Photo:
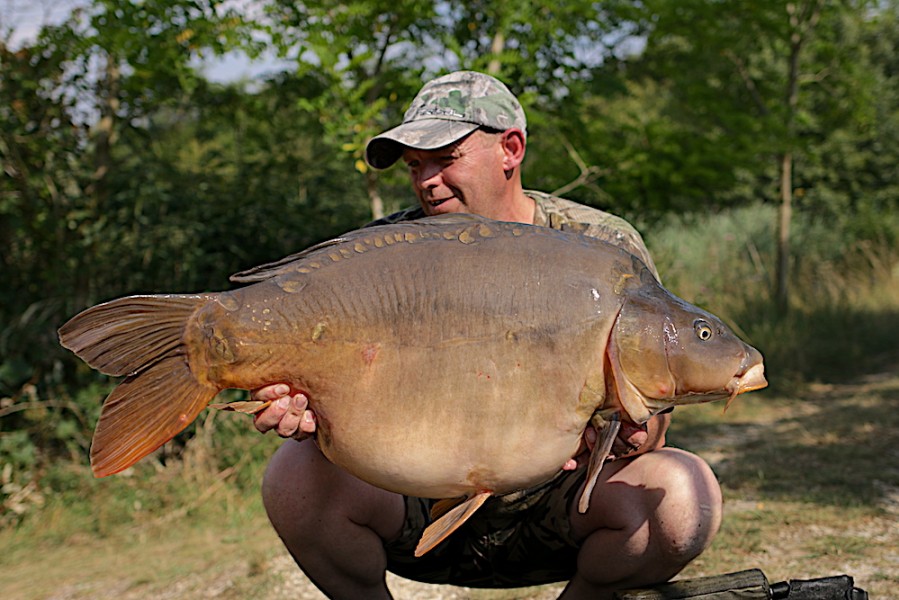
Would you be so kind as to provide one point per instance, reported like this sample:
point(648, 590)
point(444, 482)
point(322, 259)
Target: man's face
point(464, 177)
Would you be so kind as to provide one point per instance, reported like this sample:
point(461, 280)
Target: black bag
point(749, 585)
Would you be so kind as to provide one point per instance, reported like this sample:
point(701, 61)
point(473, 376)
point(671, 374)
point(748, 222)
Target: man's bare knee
point(652, 516)
point(303, 492)
point(289, 488)
point(689, 514)
point(333, 524)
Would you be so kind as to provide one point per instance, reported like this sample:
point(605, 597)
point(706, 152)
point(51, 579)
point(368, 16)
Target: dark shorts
point(517, 540)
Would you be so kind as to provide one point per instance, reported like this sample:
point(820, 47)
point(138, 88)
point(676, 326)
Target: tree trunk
point(496, 48)
point(783, 231)
point(105, 131)
point(802, 17)
point(374, 197)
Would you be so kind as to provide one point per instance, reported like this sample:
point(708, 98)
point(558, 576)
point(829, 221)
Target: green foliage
point(367, 56)
point(136, 178)
point(697, 119)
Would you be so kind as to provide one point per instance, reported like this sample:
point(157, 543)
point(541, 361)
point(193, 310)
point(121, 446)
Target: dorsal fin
point(440, 529)
point(286, 264)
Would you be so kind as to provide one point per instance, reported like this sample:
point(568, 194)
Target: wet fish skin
point(445, 357)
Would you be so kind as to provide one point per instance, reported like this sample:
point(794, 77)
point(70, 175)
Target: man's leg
point(333, 524)
point(648, 517)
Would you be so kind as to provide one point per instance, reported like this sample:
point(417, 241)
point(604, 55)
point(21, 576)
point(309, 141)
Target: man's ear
point(514, 144)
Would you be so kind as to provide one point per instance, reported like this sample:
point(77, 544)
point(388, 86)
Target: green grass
point(140, 561)
point(810, 480)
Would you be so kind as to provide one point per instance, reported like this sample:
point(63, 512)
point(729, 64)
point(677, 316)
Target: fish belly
point(435, 368)
point(460, 420)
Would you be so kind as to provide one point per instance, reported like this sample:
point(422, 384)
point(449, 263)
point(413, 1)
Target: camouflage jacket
point(565, 215)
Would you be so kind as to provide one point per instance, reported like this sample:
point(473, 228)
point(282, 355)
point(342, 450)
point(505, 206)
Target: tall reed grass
point(843, 316)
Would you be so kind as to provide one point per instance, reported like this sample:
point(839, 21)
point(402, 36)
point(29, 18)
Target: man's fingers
point(270, 393)
point(288, 415)
point(630, 438)
point(590, 436)
point(269, 418)
point(307, 423)
point(289, 423)
point(297, 420)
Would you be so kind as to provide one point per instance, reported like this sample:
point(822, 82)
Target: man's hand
point(288, 414)
point(636, 439)
point(632, 440)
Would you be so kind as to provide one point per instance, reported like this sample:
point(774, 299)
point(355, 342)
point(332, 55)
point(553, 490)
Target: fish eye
point(703, 330)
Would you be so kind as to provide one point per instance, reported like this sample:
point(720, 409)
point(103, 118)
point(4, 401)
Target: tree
point(754, 71)
point(374, 55)
point(72, 235)
point(366, 56)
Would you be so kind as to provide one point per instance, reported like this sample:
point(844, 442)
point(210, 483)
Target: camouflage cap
point(447, 109)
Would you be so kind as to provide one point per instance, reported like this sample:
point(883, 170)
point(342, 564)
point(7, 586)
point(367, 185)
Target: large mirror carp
point(447, 357)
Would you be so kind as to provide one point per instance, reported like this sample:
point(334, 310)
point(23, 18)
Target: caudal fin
point(141, 337)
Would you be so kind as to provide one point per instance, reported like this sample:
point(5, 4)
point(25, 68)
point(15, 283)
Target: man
point(653, 510)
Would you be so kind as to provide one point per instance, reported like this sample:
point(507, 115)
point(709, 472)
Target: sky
point(21, 20)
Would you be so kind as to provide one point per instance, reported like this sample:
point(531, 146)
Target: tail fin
point(141, 337)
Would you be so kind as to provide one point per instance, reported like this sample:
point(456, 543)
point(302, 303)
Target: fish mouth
point(751, 380)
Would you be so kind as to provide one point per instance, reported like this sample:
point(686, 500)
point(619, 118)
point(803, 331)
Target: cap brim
point(423, 134)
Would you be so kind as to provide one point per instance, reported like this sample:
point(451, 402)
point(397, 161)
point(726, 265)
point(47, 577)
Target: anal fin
point(441, 507)
point(608, 429)
point(440, 529)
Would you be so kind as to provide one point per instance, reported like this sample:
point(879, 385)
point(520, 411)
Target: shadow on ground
point(833, 445)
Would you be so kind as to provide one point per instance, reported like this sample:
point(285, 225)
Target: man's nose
point(429, 176)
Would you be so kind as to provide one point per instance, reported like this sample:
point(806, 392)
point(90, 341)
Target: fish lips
point(752, 379)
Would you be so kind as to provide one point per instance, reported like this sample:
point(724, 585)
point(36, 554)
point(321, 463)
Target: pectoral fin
point(607, 428)
point(440, 529)
point(249, 407)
